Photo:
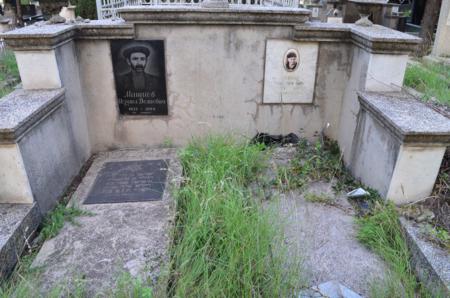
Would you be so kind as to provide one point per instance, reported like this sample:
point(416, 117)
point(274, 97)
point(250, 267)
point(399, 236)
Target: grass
point(224, 240)
point(321, 198)
point(321, 161)
point(436, 234)
point(25, 283)
point(8, 70)
point(381, 232)
point(55, 220)
point(131, 287)
point(431, 79)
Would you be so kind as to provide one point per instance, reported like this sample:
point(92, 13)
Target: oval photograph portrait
point(291, 60)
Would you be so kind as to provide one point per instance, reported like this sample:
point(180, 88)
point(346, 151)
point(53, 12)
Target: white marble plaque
point(290, 71)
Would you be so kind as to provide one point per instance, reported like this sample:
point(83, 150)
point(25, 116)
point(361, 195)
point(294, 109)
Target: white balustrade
point(108, 8)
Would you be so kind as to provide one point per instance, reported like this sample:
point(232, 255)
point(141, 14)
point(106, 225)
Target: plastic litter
point(357, 193)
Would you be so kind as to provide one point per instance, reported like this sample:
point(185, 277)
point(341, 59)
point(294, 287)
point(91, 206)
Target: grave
point(119, 236)
point(170, 73)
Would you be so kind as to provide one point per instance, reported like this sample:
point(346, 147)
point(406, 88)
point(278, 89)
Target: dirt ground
point(323, 235)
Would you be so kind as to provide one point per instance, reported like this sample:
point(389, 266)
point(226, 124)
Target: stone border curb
point(424, 261)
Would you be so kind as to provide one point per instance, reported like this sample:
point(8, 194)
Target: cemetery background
point(161, 141)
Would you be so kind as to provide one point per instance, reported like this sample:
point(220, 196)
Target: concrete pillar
point(38, 69)
point(15, 187)
point(370, 72)
point(442, 42)
point(415, 173)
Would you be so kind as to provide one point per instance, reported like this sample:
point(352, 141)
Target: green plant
point(9, 72)
point(437, 235)
point(22, 282)
point(381, 232)
point(128, 286)
point(431, 79)
point(55, 220)
point(407, 13)
point(85, 8)
point(314, 162)
point(223, 240)
point(167, 143)
point(321, 198)
point(286, 181)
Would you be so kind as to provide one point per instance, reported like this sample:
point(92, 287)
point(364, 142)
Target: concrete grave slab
point(117, 238)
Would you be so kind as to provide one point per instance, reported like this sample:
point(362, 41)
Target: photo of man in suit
point(291, 60)
point(137, 79)
point(140, 77)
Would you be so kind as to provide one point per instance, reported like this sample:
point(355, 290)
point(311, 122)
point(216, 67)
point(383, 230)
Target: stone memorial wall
point(174, 73)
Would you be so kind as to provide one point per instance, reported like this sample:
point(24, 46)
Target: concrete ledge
point(23, 109)
point(18, 222)
point(44, 37)
point(316, 31)
point(105, 29)
point(410, 120)
point(379, 39)
point(431, 263)
point(179, 14)
point(47, 37)
point(375, 39)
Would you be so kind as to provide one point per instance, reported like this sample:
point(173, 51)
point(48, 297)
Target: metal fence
point(108, 8)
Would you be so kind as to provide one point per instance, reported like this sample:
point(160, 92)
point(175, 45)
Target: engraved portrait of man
point(140, 77)
point(137, 57)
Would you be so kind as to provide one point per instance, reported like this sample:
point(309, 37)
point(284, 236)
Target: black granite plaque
point(129, 181)
point(139, 72)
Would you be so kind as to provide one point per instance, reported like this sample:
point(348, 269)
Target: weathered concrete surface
point(29, 61)
point(431, 263)
point(370, 72)
point(37, 148)
point(22, 109)
point(330, 289)
point(18, 222)
point(15, 186)
point(233, 100)
point(407, 118)
point(407, 138)
point(117, 238)
point(50, 158)
point(325, 237)
point(69, 70)
point(375, 153)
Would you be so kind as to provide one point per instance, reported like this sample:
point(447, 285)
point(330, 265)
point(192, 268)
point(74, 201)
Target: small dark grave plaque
point(129, 181)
